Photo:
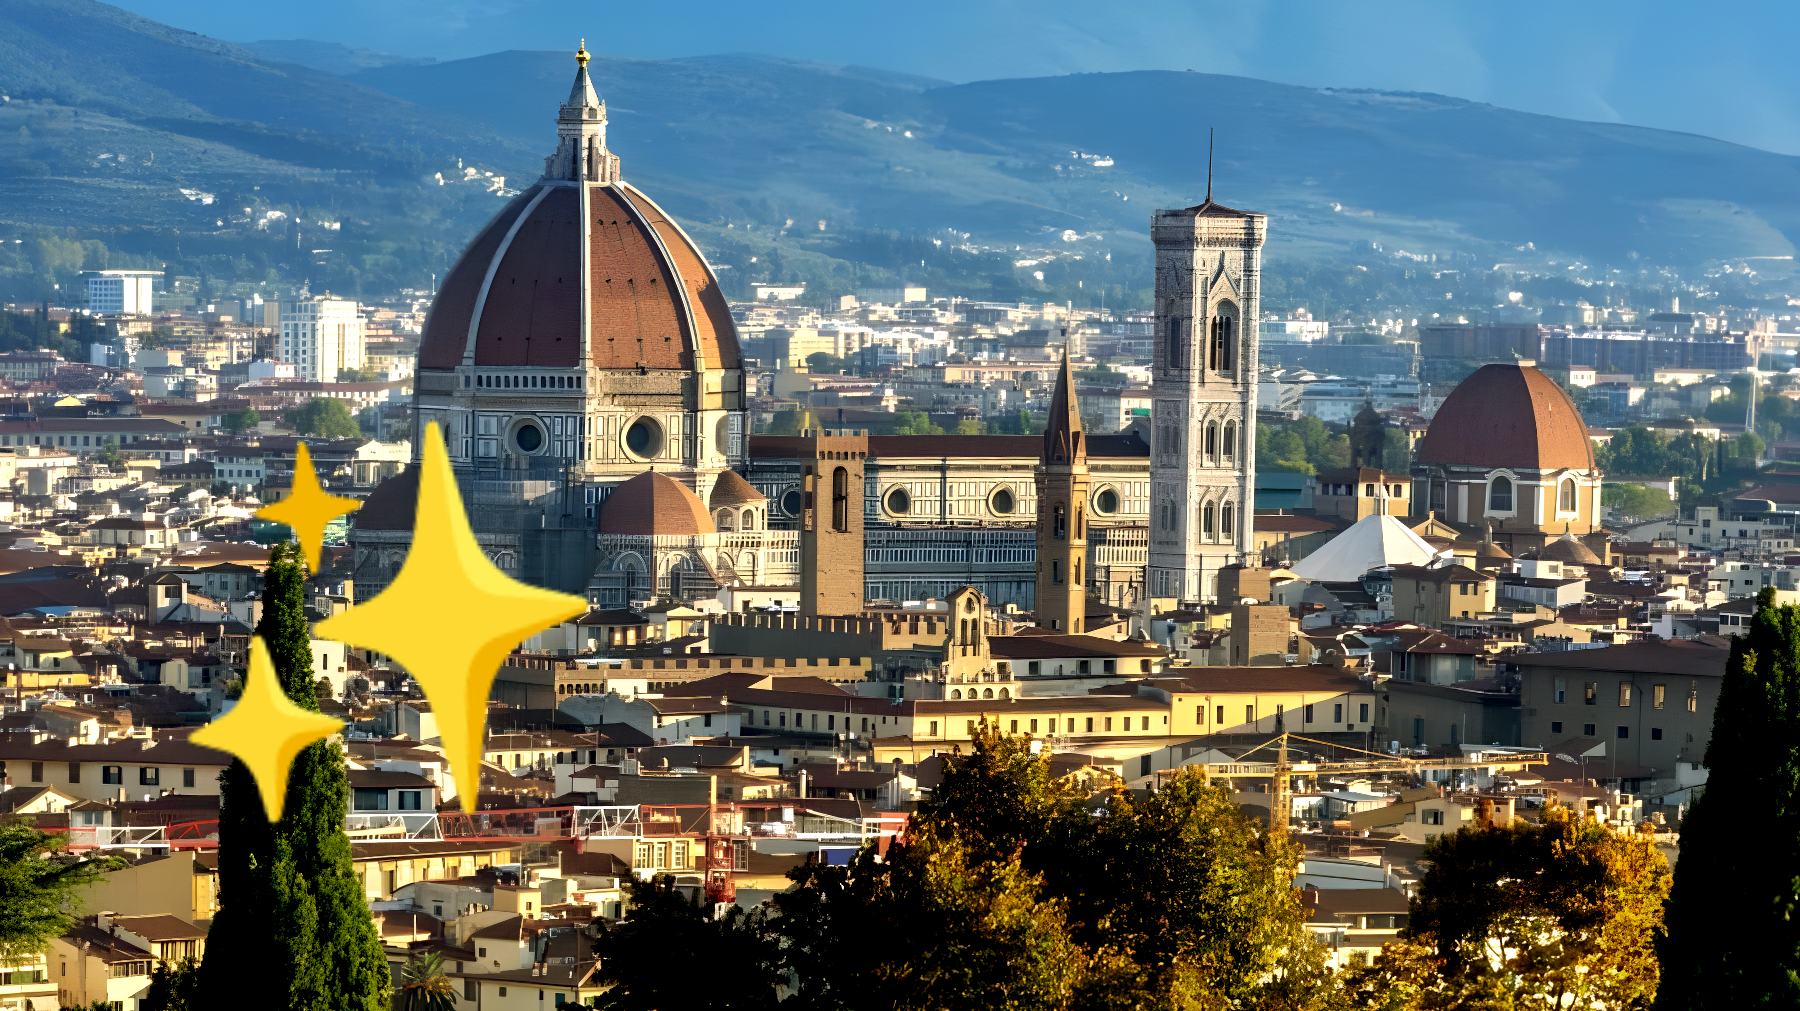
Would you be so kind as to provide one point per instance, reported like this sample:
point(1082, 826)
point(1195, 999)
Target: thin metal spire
point(1209, 163)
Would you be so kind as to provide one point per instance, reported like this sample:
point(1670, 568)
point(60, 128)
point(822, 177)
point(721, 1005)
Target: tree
point(326, 417)
point(1563, 913)
point(823, 363)
point(915, 423)
point(1733, 926)
point(424, 986)
point(40, 886)
point(957, 931)
point(174, 986)
point(110, 458)
point(241, 421)
point(1637, 501)
point(294, 878)
point(663, 919)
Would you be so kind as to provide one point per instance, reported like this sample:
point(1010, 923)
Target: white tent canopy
point(1374, 542)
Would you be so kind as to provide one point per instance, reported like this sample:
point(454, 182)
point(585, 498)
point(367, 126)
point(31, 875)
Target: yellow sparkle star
point(266, 730)
point(450, 617)
point(308, 508)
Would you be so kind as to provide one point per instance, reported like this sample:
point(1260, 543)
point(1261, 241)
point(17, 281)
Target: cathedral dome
point(580, 252)
point(1508, 416)
point(732, 490)
point(653, 504)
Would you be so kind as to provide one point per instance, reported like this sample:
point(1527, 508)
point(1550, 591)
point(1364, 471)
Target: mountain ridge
point(843, 174)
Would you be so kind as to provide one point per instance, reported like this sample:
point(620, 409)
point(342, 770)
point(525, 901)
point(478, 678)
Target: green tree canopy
point(1734, 913)
point(325, 417)
point(1637, 501)
point(40, 886)
point(915, 423)
point(241, 421)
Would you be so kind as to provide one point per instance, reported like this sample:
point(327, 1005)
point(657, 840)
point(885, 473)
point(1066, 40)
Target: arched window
point(1080, 522)
point(1565, 499)
point(1228, 346)
point(1172, 355)
point(1059, 523)
point(1226, 531)
point(1077, 571)
point(1206, 521)
point(840, 500)
point(1230, 442)
point(1212, 442)
point(956, 694)
point(1006, 693)
point(1500, 496)
point(987, 693)
point(1214, 342)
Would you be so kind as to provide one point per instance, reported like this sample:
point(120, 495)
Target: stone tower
point(1062, 497)
point(831, 522)
point(1368, 438)
point(1203, 435)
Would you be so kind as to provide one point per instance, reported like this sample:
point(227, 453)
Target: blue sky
point(1719, 70)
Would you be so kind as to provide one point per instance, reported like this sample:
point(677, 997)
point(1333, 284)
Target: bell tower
point(1062, 496)
point(1203, 416)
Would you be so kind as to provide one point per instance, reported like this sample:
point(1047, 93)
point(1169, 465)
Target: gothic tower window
point(1206, 521)
point(1059, 523)
point(1226, 530)
point(1212, 442)
point(1231, 442)
point(1173, 355)
point(840, 500)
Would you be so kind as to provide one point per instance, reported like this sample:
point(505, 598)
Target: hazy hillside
point(163, 144)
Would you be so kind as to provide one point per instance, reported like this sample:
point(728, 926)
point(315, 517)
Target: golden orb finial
point(581, 55)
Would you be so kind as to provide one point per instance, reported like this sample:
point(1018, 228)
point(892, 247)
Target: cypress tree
point(1734, 914)
point(292, 916)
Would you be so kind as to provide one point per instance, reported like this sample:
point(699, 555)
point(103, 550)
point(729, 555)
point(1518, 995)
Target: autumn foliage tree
point(1562, 913)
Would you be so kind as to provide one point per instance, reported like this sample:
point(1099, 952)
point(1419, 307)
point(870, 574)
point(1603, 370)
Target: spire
point(1208, 162)
point(582, 95)
point(1064, 441)
point(581, 133)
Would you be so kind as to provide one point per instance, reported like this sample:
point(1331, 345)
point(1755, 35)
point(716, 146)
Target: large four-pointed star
point(450, 617)
point(308, 509)
point(266, 730)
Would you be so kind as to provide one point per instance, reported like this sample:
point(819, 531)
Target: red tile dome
point(653, 504)
point(580, 242)
point(1508, 416)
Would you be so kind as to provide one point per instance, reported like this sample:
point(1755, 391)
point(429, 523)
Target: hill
point(245, 166)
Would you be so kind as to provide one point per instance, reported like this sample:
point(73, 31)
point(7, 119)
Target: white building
point(321, 336)
point(120, 291)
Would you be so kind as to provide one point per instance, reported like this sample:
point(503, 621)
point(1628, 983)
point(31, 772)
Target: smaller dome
point(1569, 550)
point(654, 504)
point(732, 490)
point(1491, 550)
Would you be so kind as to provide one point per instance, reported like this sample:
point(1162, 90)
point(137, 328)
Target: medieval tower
point(1203, 420)
point(1062, 497)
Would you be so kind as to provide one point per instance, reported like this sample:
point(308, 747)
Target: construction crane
point(1282, 771)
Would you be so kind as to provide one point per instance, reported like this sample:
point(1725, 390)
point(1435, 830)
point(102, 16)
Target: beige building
point(1432, 596)
point(183, 883)
point(321, 336)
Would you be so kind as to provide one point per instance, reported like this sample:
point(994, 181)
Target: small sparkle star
point(266, 730)
point(308, 508)
point(450, 617)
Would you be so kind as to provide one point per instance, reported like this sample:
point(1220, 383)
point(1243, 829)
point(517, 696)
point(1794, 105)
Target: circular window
point(528, 437)
point(791, 502)
point(899, 502)
point(644, 439)
point(1002, 503)
point(1106, 502)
